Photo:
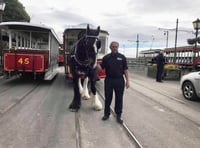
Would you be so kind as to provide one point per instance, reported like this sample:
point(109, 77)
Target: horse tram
point(184, 57)
point(146, 56)
point(71, 36)
point(29, 50)
point(172, 71)
point(60, 56)
point(84, 47)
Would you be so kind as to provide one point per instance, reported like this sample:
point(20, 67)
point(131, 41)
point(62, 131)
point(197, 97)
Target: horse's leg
point(76, 102)
point(84, 92)
point(96, 103)
point(80, 86)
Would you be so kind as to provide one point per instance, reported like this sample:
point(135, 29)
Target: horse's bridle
point(74, 55)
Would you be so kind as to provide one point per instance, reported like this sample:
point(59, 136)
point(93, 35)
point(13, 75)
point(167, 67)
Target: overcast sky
point(123, 19)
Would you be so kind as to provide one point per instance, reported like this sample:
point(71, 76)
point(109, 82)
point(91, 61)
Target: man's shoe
point(119, 120)
point(105, 118)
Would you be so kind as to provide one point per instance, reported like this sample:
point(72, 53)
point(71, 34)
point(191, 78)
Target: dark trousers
point(117, 85)
point(159, 73)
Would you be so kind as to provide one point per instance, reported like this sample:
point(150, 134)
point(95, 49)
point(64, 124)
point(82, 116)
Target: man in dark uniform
point(160, 61)
point(115, 65)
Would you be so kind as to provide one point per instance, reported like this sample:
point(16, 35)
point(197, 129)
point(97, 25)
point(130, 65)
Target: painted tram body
point(60, 56)
point(29, 49)
point(185, 57)
point(71, 35)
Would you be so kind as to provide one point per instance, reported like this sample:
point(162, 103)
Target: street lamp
point(166, 32)
point(137, 43)
point(196, 25)
point(2, 7)
point(152, 42)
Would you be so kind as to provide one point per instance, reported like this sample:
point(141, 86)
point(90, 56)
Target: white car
point(190, 85)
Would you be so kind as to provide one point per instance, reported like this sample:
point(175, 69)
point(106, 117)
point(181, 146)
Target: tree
point(15, 11)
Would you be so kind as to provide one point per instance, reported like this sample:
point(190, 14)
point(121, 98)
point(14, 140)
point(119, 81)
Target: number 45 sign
point(23, 61)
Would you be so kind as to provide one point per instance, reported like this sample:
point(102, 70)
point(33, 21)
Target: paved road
point(156, 113)
point(41, 118)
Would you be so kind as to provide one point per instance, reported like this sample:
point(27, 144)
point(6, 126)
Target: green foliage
point(15, 11)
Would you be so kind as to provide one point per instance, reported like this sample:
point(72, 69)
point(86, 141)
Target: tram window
point(185, 54)
point(182, 54)
point(103, 44)
point(178, 54)
point(196, 54)
point(5, 45)
point(61, 51)
point(69, 45)
point(190, 54)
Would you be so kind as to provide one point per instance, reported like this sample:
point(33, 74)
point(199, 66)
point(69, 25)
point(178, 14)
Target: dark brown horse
point(83, 61)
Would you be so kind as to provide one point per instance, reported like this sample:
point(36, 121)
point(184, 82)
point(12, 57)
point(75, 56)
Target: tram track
point(78, 134)
point(162, 93)
point(3, 90)
point(171, 103)
point(18, 99)
point(7, 87)
point(124, 126)
point(78, 130)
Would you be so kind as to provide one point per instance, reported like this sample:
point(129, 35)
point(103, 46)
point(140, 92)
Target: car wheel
point(188, 91)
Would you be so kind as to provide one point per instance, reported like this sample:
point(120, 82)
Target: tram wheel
point(188, 91)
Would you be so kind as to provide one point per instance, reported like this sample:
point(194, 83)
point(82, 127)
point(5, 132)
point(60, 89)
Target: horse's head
point(92, 40)
point(87, 49)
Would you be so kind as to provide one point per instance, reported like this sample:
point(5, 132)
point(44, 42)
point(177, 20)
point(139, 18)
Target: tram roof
point(26, 26)
point(150, 51)
point(82, 27)
point(181, 48)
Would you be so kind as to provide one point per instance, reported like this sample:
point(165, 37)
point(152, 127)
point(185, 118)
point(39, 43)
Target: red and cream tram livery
point(60, 56)
point(29, 49)
point(71, 35)
point(184, 56)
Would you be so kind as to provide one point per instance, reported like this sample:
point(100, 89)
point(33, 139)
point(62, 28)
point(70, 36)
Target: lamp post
point(2, 7)
point(137, 44)
point(196, 25)
point(152, 42)
point(166, 32)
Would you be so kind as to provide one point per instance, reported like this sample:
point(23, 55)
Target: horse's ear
point(98, 28)
point(88, 27)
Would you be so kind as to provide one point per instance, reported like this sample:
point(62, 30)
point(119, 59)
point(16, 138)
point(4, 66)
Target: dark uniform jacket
point(114, 65)
point(160, 60)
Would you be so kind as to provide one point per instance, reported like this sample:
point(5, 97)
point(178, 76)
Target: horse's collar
point(85, 64)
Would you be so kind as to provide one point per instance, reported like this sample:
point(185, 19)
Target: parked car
point(190, 85)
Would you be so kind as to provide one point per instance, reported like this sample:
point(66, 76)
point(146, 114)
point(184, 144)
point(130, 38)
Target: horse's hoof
point(73, 110)
point(97, 108)
point(85, 97)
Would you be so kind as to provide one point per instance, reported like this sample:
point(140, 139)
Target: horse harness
point(74, 55)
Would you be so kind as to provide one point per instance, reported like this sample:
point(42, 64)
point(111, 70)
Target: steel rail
point(19, 100)
point(129, 133)
point(161, 93)
point(77, 130)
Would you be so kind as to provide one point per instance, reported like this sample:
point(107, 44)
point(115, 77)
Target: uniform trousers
point(115, 85)
point(159, 73)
